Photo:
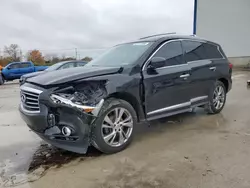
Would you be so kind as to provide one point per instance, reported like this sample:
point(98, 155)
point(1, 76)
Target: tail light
point(230, 68)
point(230, 65)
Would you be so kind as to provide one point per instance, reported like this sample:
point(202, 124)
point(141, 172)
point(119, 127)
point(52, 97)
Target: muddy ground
point(193, 150)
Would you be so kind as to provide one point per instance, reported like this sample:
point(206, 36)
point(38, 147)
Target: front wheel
point(113, 129)
point(217, 98)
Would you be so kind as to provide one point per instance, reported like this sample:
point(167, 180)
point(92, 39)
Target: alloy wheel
point(117, 127)
point(219, 97)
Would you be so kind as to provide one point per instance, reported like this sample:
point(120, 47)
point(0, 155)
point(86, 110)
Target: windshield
point(54, 67)
point(121, 55)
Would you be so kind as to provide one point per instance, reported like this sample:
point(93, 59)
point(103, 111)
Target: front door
point(14, 70)
point(167, 90)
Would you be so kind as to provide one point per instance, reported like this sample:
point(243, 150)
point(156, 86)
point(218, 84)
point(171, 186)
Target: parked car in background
point(102, 103)
point(57, 66)
point(15, 70)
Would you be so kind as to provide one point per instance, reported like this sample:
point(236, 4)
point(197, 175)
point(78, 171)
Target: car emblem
point(23, 98)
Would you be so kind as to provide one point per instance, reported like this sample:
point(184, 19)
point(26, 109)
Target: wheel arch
point(132, 101)
point(225, 82)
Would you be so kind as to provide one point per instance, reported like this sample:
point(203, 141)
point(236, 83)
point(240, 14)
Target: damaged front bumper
point(50, 121)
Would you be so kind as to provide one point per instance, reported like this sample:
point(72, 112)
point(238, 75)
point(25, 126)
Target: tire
point(213, 107)
point(99, 131)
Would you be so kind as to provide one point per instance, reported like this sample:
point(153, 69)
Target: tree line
point(13, 53)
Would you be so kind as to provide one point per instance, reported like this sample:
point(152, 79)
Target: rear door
point(167, 91)
point(201, 57)
point(25, 68)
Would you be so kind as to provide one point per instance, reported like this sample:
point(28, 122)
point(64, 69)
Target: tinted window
point(172, 52)
point(212, 51)
point(80, 64)
point(66, 66)
point(195, 50)
point(15, 66)
point(25, 65)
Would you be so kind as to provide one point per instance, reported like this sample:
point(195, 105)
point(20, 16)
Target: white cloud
point(64, 24)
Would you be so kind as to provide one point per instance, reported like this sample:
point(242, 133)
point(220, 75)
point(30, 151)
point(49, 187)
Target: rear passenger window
point(25, 65)
point(172, 52)
point(195, 51)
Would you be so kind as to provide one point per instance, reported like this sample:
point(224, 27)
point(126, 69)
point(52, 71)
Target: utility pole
point(76, 52)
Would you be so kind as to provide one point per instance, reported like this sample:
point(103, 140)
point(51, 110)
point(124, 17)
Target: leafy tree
point(5, 60)
point(36, 57)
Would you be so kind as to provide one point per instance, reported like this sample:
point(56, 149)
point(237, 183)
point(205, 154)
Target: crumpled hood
point(67, 75)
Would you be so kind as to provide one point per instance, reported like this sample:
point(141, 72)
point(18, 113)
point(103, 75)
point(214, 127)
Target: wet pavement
point(188, 150)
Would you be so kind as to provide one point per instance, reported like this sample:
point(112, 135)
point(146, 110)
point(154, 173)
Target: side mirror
point(8, 68)
point(157, 62)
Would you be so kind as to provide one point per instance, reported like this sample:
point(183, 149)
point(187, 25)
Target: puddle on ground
point(14, 172)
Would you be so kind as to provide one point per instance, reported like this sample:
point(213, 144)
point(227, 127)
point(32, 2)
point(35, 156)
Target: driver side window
point(14, 66)
point(172, 52)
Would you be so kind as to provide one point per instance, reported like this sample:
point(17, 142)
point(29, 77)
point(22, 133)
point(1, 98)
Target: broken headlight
point(87, 96)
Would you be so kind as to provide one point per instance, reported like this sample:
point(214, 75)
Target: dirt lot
point(189, 150)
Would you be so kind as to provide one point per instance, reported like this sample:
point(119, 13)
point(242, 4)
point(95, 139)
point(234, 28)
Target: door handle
point(184, 75)
point(212, 68)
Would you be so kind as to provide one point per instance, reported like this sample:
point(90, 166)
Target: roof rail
point(158, 35)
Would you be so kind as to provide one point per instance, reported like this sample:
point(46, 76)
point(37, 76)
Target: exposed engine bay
point(86, 96)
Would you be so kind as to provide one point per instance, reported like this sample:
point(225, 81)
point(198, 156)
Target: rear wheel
point(217, 98)
point(114, 128)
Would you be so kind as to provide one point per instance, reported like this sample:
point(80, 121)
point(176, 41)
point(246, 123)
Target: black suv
point(101, 103)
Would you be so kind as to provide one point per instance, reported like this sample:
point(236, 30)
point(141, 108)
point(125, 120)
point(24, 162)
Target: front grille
point(30, 99)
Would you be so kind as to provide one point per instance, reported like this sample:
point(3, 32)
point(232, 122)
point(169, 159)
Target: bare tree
point(13, 51)
point(87, 59)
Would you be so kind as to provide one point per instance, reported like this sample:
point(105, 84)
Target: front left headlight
point(87, 96)
point(88, 109)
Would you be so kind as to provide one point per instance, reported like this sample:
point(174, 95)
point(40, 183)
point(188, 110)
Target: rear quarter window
point(212, 51)
point(195, 50)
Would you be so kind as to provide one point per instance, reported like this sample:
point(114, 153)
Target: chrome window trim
point(194, 40)
point(218, 48)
